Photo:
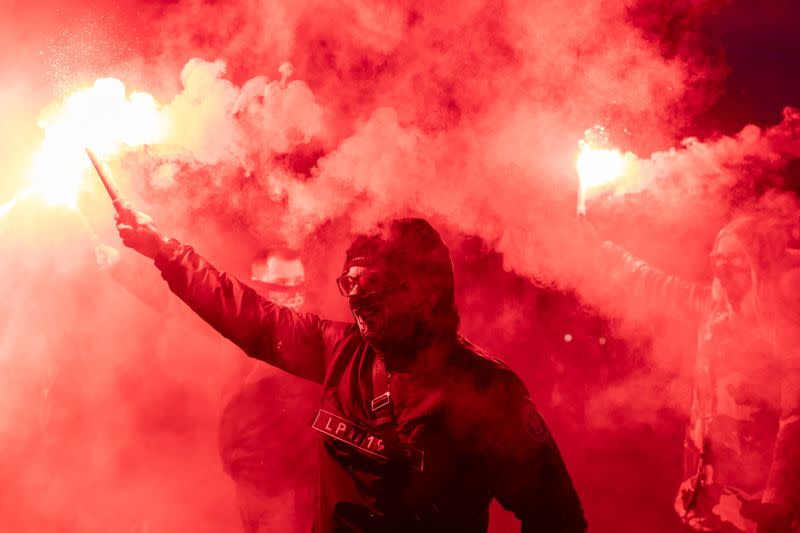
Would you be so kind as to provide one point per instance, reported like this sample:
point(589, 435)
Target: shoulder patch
point(536, 427)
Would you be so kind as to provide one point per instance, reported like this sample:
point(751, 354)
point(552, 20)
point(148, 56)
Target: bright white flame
point(101, 117)
point(11, 204)
point(598, 167)
point(8, 206)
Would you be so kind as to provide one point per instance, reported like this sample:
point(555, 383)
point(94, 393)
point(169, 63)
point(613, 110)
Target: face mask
point(731, 267)
point(391, 316)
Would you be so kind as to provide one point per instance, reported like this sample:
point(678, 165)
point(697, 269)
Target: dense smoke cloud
point(305, 122)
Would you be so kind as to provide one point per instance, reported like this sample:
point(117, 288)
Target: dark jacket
point(463, 430)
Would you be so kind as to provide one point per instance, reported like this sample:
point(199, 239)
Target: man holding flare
point(419, 428)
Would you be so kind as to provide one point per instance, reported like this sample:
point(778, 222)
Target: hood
point(411, 249)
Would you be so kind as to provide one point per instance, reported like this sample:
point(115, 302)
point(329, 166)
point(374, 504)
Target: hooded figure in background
point(419, 429)
point(742, 446)
point(274, 477)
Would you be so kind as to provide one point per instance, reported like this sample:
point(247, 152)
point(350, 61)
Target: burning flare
point(102, 118)
point(598, 165)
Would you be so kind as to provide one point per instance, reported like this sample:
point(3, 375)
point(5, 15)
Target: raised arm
point(278, 335)
point(648, 288)
point(617, 281)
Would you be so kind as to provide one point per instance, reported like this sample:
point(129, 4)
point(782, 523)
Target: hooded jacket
point(742, 445)
point(462, 431)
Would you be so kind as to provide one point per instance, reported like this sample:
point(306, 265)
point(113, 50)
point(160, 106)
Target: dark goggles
point(368, 283)
point(278, 287)
point(735, 261)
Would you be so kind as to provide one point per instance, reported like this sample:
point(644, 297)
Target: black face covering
point(417, 303)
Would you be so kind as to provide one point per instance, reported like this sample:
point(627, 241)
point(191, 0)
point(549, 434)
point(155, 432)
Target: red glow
point(248, 125)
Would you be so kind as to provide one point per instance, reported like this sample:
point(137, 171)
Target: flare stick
point(108, 181)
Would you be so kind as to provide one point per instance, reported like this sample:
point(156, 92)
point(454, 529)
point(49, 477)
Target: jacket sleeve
point(652, 289)
point(783, 483)
point(528, 475)
point(289, 340)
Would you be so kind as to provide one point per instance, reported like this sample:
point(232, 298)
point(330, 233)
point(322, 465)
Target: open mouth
point(367, 315)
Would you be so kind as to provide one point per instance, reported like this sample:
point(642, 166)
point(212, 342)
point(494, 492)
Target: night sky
point(761, 48)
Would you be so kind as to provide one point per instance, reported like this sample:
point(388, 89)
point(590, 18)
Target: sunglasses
point(368, 283)
point(737, 261)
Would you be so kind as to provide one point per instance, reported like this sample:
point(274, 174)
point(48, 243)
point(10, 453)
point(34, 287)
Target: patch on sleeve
point(536, 427)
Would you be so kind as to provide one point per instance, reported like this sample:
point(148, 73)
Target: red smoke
point(467, 113)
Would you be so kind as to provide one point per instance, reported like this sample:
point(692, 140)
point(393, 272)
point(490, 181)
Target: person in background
point(742, 445)
point(263, 440)
point(279, 275)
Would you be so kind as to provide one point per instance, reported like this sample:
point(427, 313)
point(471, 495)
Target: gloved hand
point(138, 231)
point(770, 517)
